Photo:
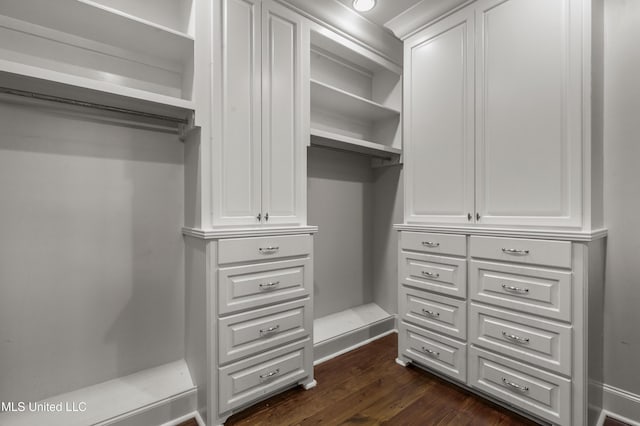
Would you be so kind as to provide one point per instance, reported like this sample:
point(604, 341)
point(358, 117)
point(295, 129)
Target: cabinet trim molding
point(214, 234)
point(517, 233)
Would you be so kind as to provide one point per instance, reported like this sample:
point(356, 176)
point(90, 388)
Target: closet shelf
point(92, 21)
point(335, 140)
point(52, 83)
point(343, 103)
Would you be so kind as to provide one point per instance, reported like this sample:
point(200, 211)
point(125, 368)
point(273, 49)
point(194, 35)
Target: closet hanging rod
point(68, 101)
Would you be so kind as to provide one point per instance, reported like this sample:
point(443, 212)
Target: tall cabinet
point(250, 258)
point(502, 250)
point(259, 162)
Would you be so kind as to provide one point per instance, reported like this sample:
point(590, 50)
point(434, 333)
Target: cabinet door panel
point(283, 145)
point(236, 153)
point(439, 121)
point(528, 112)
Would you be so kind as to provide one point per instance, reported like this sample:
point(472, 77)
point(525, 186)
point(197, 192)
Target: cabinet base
point(309, 385)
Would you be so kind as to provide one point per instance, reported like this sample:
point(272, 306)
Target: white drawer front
point(543, 394)
point(434, 243)
point(249, 287)
point(439, 313)
point(256, 331)
point(446, 275)
point(536, 252)
point(533, 290)
point(543, 343)
point(247, 381)
point(233, 250)
point(433, 350)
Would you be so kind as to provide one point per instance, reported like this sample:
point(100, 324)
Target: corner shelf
point(338, 141)
point(338, 101)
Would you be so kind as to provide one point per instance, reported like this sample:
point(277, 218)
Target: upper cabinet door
point(438, 122)
point(528, 152)
point(236, 155)
point(283, 130)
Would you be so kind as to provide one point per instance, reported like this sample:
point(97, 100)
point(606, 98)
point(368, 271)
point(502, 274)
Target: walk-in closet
point(336, 211)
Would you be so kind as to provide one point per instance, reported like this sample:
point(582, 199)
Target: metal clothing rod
point(74, 102)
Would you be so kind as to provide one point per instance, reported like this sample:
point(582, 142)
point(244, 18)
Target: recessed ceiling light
point(363, 5)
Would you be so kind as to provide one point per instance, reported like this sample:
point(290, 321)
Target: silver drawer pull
point(270, 329)
point(268, 250)
point(430, 244)
point(430, 352)
point(430, 274)
point(515, 252)
point(512, 289)
point(269, 374)
point(515, 385)
point(515, 338)
point(430, 313)
point(269, 286)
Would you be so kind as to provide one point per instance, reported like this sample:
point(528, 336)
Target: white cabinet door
point(439, 120)
point(528, 106)
point(236, 153)
point(283, 144)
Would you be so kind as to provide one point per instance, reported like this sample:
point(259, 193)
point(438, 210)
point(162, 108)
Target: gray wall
point(622, 194)
point(355, 208)
point(340, 203)
point(91, 254)
point(388, 210)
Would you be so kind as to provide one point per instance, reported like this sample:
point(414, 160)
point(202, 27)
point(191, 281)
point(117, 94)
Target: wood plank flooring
point(367, 387)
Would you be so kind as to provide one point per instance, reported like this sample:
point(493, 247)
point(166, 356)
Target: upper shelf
point(338, 141)
point(92, 21)
point(82, 50)
point(33, 79)
point(344, 103)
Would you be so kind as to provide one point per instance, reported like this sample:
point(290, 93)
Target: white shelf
point(93, 21)
point(335, 140)
point(341, 323)
point(340, 102)
point(33, 79)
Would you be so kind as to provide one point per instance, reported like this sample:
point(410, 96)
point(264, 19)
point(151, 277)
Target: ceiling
point(386, 9)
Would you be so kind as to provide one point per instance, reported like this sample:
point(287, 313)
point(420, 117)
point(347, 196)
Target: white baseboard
point(154, 396)
point(621, 405)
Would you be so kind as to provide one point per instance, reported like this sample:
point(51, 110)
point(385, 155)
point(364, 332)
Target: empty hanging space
point(72, 50)
point(354, 206)
point(355, 97)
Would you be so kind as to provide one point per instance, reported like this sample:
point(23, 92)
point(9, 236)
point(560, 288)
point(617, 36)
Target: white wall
point(622, 194)
point(91, 254)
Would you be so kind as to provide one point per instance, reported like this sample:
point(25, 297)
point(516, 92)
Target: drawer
point(532, 290)
point(447, 356)
point(249, 287)
point(233, 250)
point(535, 252)
point(255, 378)
point(259, 330)
point(438, 313)
point(446, 275)
point(434, 243)
point(542, 343)
point(540, 393)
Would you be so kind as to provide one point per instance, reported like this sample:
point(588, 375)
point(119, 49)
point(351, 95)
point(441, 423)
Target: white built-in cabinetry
point(501, 254)
point(493, 120)
point(259, 123)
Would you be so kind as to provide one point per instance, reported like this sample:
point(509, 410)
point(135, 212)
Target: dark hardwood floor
point(367, 387)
